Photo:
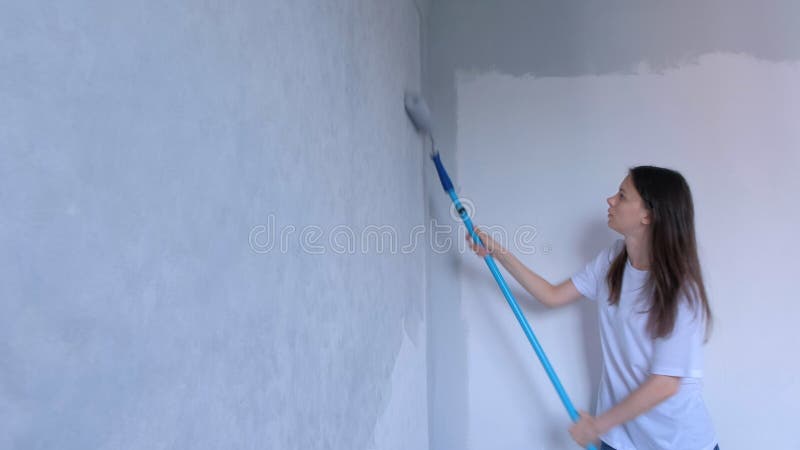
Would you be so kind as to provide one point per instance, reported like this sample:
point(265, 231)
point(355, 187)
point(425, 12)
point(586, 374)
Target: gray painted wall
point(542, 106)
point(151, 153)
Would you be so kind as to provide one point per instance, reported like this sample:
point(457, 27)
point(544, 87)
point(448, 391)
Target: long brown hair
point(674, 265)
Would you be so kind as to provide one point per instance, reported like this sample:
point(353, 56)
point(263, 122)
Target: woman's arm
point(541, 289)
point(653, 391)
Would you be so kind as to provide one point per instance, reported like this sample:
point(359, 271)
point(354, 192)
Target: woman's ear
point(646, 218)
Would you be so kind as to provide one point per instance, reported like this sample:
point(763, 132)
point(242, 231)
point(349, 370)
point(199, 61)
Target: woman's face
point(627, 214)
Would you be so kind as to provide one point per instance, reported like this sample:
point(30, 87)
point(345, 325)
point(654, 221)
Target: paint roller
point(420, 115)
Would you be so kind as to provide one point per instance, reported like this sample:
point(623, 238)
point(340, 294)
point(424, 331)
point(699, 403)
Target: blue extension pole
point(447, 185)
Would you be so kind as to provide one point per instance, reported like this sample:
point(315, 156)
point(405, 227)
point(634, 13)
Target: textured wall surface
point(152, 156)
point(545, 105)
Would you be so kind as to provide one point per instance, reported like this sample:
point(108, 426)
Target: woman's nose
point(610, 201)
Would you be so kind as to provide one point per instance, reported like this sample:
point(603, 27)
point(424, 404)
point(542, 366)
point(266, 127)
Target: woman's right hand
point(491, 246)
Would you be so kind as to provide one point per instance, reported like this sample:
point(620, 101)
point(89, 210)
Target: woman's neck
point(638, 249)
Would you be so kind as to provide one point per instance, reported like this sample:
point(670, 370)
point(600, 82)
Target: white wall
point(142, 144)
point(551, 105)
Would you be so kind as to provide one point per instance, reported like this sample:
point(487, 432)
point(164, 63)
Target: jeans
point(604, 446)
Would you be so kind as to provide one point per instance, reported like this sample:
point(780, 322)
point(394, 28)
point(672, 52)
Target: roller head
point(418, 112)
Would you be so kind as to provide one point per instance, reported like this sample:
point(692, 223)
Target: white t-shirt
point(631, 355)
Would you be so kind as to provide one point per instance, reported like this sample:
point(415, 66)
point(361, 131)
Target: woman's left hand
point(586, 431)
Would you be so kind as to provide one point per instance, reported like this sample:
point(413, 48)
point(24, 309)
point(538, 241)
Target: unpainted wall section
point(172, 176)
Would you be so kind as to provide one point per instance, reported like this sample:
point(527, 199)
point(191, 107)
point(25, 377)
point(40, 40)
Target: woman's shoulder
point(603, 260)
point(609, 253)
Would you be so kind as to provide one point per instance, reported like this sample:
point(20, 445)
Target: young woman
point(653, 316)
